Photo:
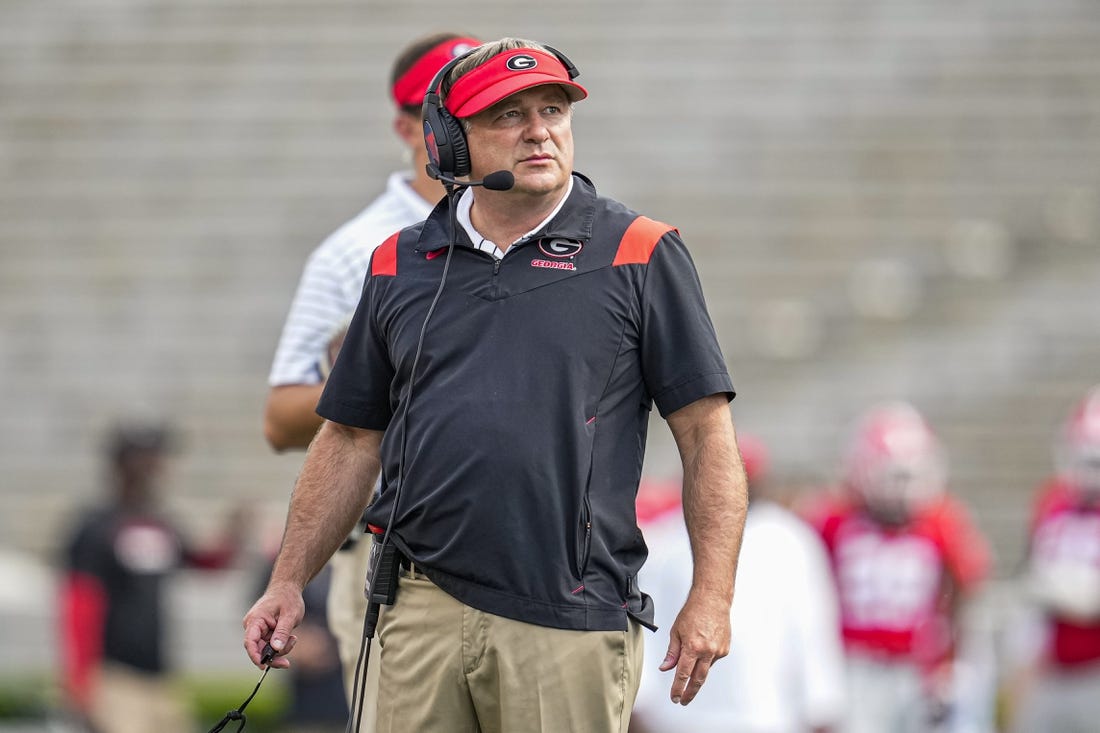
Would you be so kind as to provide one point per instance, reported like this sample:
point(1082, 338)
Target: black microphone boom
point(495, 181)
point(499, 181)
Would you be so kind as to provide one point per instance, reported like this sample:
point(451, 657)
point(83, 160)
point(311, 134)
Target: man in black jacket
point(499, 371)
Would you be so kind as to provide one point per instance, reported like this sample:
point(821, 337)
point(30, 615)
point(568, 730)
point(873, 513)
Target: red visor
point(409, 89)
point(505, 74)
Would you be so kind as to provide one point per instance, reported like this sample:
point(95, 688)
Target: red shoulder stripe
point(639, 240)
point(384, 261)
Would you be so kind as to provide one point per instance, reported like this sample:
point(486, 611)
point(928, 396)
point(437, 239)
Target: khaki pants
point(448, 668)
point(347, 605)
point(129, 701)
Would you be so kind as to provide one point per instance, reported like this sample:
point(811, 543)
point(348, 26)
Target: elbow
point(289, 421)
point(276, 435)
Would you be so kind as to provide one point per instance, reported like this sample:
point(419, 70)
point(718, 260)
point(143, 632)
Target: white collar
point(465, 205)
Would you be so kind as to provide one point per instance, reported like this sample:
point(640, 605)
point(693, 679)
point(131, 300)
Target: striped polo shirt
point(333, 279)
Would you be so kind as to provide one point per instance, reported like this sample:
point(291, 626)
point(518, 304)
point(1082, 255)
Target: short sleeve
point(357, 392)
point(681, 359)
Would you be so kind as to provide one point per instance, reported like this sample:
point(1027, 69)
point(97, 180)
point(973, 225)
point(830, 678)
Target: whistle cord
point(238, 714)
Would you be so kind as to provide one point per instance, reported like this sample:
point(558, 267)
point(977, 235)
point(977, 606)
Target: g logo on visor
point(521, 62)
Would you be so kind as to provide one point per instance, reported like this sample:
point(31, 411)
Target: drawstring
point(238, 714)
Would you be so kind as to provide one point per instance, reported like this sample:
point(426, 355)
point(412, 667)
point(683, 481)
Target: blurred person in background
point(906, 557)
point(1062, 692)
point(565, 317)
point(785, 669)
point(323, 305)
point(118, 559)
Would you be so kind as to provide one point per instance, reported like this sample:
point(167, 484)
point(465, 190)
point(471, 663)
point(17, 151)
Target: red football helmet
point(894, 463)
point(1077, 450)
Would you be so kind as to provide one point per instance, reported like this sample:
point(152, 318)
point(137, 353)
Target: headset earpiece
point(443, 134)
point(445, 139)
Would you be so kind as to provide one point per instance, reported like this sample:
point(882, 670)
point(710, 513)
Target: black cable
point(238, 714)
point(359, 685)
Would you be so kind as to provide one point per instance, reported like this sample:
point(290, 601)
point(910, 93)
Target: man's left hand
point(699, 637)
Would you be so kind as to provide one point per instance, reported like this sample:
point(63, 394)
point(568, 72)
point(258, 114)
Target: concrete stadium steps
point(995, 370)
point(167, 167)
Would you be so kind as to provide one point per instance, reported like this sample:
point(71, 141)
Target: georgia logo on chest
point(558, 247)
point(561, 252)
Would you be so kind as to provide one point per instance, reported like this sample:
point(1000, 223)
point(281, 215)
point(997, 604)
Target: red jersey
point(892, 581)
point(1065, 530)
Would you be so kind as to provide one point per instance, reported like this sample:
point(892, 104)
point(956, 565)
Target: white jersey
point(785, 669)
point(333, 279)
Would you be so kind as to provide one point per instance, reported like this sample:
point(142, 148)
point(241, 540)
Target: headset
point(448, 151)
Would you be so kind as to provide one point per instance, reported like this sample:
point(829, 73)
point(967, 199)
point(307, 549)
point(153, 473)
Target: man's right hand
point(271, 620)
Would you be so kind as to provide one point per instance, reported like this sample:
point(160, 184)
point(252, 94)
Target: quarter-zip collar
point(573, 220)
point(465, 206)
